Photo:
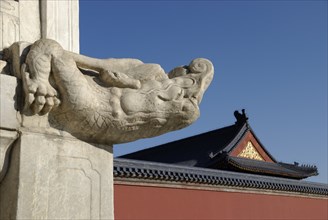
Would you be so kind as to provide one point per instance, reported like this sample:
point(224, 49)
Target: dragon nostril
point(163, 98)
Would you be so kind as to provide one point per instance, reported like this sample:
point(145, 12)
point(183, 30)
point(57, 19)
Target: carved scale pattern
point(250, 152)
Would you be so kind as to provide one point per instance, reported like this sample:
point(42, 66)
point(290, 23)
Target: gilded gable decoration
point(250, 152)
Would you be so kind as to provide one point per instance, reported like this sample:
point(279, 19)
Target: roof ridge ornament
point(241, 118)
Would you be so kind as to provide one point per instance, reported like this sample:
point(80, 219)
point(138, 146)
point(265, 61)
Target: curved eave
point(272, 169)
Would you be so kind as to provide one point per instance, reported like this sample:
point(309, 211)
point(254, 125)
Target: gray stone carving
point(110, 101)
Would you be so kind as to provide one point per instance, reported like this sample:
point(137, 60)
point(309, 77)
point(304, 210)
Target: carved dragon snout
point(110, 100)
point(201, 71)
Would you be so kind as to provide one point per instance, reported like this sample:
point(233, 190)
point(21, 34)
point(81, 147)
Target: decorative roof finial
point(240, 117)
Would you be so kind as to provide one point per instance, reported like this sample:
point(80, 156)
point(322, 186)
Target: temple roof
point(235, 148)
point(192, 151)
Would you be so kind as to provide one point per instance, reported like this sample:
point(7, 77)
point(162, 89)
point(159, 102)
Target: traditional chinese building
point(234, 148)
point(222, 174)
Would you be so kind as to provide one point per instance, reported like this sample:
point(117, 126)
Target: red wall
point(145, 202)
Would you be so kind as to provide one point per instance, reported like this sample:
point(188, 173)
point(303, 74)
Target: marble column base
point(54, 177)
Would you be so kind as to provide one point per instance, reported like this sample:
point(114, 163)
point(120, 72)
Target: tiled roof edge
point(233, 142)
point(127, 168)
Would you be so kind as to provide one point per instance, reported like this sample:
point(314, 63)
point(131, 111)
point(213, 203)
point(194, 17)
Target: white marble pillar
point(9, 121)
point(9, 23)
point(19, 21)
point(46, 173)
point(60, 22)
point(29, 20)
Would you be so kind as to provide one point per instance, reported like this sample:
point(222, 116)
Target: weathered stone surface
point(9, 23)
point(15, 56)
point(52, 177)
point(29, 20)
point(9, 116)
point(60, 22)
point(7, 138)
point(117, 100)
point(19, 21)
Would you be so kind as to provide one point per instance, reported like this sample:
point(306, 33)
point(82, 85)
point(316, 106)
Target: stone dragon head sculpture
point(110, 101)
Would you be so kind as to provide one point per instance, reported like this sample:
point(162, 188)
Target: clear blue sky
point(270, 58)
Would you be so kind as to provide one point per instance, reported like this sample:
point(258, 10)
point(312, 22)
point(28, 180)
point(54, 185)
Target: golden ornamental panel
point(250, 152)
